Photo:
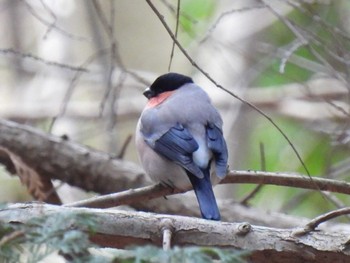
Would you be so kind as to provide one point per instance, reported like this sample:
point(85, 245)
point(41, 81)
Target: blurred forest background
point(78, 68)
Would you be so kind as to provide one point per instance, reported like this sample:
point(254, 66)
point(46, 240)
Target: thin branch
point(69, 92)
point(289, 52)
point(296, 200)
point(317, 19)
point(183, 14)
point(234, 177)
point(336, 202)
point(285, 179)
point(102, 17)
point(167, 231)
point(304, 40)
point(176, 31)
point(124, 147)
point(125, 197)
point(167, 234)
point(257, 189)
point(76, 163)
point(52, 14)
point(11, 51)
point(229, 13)
point(53, 24)
point(311, 226)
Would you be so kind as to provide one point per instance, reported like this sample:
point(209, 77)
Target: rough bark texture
point(122, 228)
point(59, 158)
point(52, 157)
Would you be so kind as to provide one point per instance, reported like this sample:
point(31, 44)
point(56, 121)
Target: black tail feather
point(205, 195)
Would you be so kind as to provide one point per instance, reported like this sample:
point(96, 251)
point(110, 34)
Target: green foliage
point(150, 254)
point(312, 146)
point(194, 13)
point(322, 39)
point(66, 233)
point(317, 23)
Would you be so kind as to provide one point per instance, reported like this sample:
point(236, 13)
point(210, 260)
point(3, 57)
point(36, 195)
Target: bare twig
point(321, 219)
point(172, 8)
point(257, 189)
point(295, 201)
point(317, 19)
point(305, 40)
point(125, 197)
point(11, 51)
point(53, 24)
point(228, 13)
point(167, 234)
point(234, 177)
point(296, 45)
point(71, 88)
point(336, 202)
point(167, 229)
point(102, 17)
point(176, 31)
point(52, 14)
point(285, 179)
point(124, 147)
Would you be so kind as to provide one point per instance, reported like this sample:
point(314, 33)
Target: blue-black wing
point(217, 144)
point(178, 144)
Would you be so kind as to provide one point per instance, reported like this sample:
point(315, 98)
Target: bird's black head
point(166, 82)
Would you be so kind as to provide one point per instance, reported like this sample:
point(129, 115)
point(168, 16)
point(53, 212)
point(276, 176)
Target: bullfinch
point(179, 139)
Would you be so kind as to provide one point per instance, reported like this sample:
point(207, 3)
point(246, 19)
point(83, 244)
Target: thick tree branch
point(91, 170)
point(122, 228)
point(77, 165)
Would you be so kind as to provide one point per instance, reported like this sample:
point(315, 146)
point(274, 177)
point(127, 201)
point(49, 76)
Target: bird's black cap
point(167, 82)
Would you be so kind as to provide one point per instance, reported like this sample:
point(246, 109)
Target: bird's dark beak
point(148, 93)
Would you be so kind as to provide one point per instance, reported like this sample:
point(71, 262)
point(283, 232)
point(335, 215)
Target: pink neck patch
point(155, 101)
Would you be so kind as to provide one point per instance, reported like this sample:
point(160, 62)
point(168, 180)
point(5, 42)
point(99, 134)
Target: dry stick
point(321, 219)
point(291, 180)
point(294, 201)
point(258, 187)
point(124, 147)
point(289, 52)
point(69, 92)
point(12, 51)
point(53, 24)
point(167, 231)
point(228, 13)
point(234, 177)
point(109, 28)
point(161, 18)
point(167, 234)
point(125, 197)
point(176, 31)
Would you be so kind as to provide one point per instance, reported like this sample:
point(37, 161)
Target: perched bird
point(179, 139)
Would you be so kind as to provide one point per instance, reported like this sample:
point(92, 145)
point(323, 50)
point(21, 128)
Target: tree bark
point(119, 229)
